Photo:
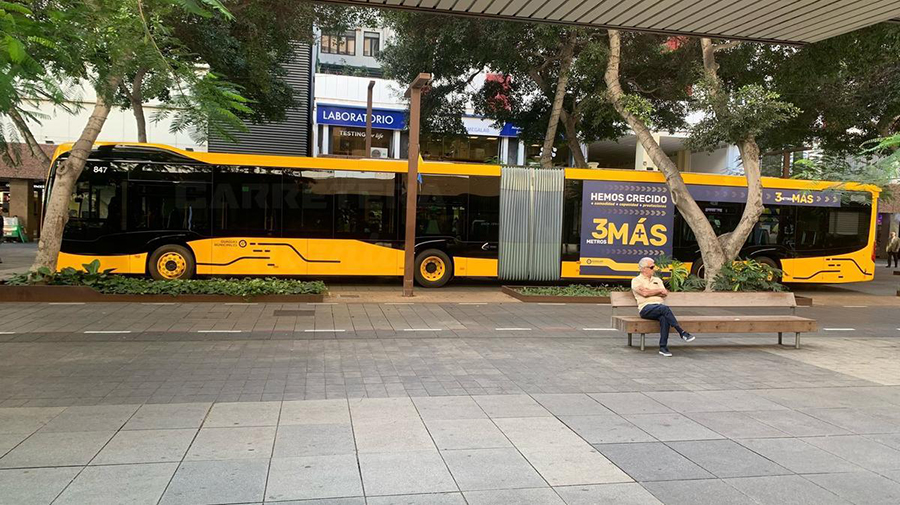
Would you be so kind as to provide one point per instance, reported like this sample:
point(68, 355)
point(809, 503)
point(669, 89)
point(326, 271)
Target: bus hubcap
point(432, 268)
point(171, 265)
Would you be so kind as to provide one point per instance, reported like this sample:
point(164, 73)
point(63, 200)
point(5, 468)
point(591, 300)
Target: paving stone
point(571, 404)
point(785, 490)
point(466, 434)
point(146, 446)
point(740, 401)
point(726, 458)
point(891, 440)
point(232, 443)
point(544, 496)
point(652, 461)
point(606, 429)
point(226, 415)
point(735, 425)
point(570, 466)
point(119, 485)
point(686, 401)
point(860, 487)
point(857, 449)
point(498, 406)
point(34, 486)
point(698, 492)
point(382, 408)
point(798, 456)
point(672, 427)
point(324, 501)
point(172, 416)
point(315, 412)
point(392, 435)
point(91, 418)
point(26, 419)
point(214, 482)
point(294, 441)
point(797, 424)
point(619, 494)
point(630, 403)
point(419, 499)
point(483, 469)
point(538, 432)
point(861, 421)
point(405, 473)
point(448, 407)
point(10, 440)
point(56, 449)
point(314, 477)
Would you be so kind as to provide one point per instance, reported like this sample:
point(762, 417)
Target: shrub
point(748, 275)
point(570, 290)
point(107, 283)
point(680, 278)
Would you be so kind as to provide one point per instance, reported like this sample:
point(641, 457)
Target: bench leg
point(797, 341)
point(629, 340)
point(642, 341)
point(779, 338)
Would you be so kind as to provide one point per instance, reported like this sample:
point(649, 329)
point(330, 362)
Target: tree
point(110, 40)
point(731, 116)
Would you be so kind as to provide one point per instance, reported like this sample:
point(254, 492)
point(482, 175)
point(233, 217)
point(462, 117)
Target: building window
point(371, 44)
point(340, 44)
point(351, 141)
point(471, 149)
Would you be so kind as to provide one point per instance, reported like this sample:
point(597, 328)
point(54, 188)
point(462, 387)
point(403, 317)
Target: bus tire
point(171, 262)
point(434, 268)
point(698, 269)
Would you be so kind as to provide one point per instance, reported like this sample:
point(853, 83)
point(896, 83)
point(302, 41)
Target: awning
point(786, 21)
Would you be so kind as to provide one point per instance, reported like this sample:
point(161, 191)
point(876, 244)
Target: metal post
point(369, 121)
point(412, 180)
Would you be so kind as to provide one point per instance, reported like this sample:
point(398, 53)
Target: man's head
point(893, 234)
point(647, 266)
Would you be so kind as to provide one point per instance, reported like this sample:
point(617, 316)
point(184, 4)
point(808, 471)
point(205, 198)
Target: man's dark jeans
point(663, 314)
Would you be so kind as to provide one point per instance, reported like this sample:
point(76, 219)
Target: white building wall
point(720, 161)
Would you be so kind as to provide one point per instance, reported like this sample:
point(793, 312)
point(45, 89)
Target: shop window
point(351, 141)
point(371, 44)
point(344, 43)
point(471, 149)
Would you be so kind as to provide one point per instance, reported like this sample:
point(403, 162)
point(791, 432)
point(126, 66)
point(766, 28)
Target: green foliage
point(570, 290)
point(735, 116)
point(640, 107)
point(106, 282)
point(679, 276)
point(748, 275)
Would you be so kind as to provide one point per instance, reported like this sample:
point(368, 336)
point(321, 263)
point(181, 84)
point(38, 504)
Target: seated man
point(649, 292)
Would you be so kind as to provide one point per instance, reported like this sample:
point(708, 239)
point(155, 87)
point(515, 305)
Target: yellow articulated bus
point(154, 210)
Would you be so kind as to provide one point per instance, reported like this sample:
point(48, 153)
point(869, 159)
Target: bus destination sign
point(622, 222)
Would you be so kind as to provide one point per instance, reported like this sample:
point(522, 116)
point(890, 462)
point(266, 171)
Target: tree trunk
point(33, 145)
point(733, 242)
point(136, 97)
point(565, 66)
point(57, 212)
point(570, 121)
point(710, 249)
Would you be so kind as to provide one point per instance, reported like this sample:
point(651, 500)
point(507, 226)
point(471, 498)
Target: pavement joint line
point(855, 306)
point(398, 303)
point(240, 303)
point(322, 303)
point(472, 303)
point(550, 303)
point(599, 329)
point(13, 333)
point(422, 329)
point(325, 331)
point(218, 331)
point(108, 331)
point(839, 329)
point(66, 303)
point(157, 303)
point(512, 329)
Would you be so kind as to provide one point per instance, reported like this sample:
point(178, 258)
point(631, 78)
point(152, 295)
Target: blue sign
point(771, 196)
point(356, 116)
point(622, 222)
point(510, 130)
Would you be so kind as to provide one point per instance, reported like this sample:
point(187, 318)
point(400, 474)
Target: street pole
point(414, 93)
point(369, 121)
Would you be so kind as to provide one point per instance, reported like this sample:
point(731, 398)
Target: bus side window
point(96, 207)
point(442, 206)
point(484, 209)
point(244, 201)
point(308, 203)
point(365, 205)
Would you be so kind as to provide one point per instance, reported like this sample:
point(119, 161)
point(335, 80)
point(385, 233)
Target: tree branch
point(23, 128)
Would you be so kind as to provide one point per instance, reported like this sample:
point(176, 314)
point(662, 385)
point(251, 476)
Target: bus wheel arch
point(433, 268)
point(171, 261)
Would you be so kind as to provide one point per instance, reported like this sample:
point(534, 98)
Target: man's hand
point(663, 292)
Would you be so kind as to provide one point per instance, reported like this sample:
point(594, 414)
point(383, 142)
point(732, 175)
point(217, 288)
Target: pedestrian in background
point(893, 249)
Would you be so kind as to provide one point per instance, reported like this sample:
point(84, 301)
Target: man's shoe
point(687, 337)
point(665, 352)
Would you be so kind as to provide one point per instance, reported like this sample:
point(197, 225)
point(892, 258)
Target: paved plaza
point(460, 401)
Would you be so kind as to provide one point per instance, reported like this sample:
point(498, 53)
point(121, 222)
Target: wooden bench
point(633, 323)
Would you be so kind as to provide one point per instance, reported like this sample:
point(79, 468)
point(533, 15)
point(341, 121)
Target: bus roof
point(449, 168)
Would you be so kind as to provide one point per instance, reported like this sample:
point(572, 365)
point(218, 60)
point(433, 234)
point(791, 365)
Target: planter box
point(84, 294)
point(513, 292)
point(803, 301)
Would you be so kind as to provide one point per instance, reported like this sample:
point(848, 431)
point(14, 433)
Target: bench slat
point(721, 324)
point(715, 299)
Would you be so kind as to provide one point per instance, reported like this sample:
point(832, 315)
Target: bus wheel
point(698, 269)
point(433, 268)
point(765, 260)
point(171, 262)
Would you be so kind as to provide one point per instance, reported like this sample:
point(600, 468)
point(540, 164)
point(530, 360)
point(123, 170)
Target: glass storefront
point(351, 141)
point(472, 149)
point(560, 159)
